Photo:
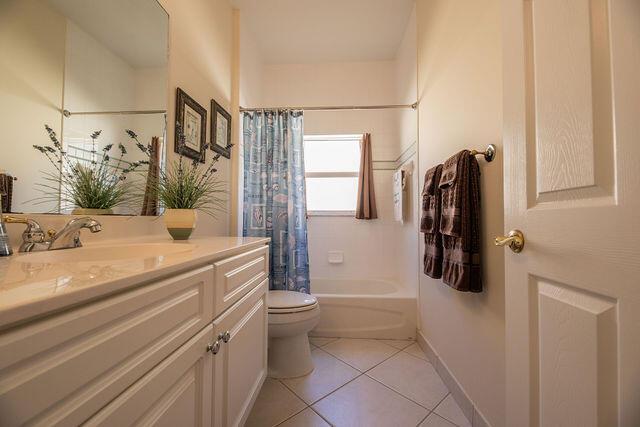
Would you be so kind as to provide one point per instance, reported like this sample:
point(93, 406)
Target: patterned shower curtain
point(274, 193)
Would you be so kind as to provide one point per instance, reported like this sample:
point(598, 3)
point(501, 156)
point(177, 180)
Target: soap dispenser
point(5, 246)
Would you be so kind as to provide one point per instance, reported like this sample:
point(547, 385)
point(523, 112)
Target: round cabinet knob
point(226, 336)
point(515, 241)
point(214, 348)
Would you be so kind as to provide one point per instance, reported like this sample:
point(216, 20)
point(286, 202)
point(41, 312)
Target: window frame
point(334, 137)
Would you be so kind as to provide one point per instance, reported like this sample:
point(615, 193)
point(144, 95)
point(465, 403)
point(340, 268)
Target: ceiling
point(136, 31)
point(307, 31)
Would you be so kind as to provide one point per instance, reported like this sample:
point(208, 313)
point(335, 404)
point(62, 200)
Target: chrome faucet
point(34, 239)
point(69, 236)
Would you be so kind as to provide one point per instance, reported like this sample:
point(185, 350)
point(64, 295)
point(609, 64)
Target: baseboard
point(469, 409)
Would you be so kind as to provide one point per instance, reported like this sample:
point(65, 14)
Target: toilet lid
point(287, 301)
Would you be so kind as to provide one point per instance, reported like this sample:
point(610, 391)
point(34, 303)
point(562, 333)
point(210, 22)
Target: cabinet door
point(241, 365)
point(177, 392)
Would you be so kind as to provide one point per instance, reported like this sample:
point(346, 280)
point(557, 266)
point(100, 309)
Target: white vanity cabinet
point(166, 353)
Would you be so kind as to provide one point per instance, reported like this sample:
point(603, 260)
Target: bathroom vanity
point(134, 332)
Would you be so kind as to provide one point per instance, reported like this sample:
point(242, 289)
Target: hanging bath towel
point(460, 223)
point(398, 199)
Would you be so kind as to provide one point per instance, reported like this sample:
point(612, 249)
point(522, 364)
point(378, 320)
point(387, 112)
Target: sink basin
point(105, 254)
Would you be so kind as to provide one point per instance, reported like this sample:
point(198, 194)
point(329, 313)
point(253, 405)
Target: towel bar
point(489, 154)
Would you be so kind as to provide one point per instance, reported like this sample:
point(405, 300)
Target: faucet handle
point(33, 233)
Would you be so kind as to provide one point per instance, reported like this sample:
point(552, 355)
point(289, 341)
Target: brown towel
point(6, 191)
point(430, 223)
point(460, 223)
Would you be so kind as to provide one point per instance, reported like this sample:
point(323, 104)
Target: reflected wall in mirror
point(103, 62)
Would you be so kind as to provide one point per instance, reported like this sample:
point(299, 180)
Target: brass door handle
point(515, 241)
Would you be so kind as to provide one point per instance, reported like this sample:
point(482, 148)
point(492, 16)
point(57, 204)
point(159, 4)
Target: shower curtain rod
point(336, 108)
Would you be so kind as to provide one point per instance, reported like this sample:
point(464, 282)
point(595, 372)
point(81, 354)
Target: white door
point(572, 185)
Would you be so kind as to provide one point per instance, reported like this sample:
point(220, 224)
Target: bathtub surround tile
point(368, 403)
point(450, 410)
point(328, 375)
point(362, 354)
point(274, 404)
point(415, 350)
point(412, 377)
point(306, 418)
point(399, 344)
point(320, 341)
point(435, 420)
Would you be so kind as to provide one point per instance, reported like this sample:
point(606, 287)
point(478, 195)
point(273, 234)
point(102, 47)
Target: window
point(331, 166)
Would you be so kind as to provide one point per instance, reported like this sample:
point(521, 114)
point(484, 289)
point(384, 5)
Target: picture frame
point(192, 117)
point(220, 130)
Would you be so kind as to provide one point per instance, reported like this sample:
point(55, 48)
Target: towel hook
point(489, 154)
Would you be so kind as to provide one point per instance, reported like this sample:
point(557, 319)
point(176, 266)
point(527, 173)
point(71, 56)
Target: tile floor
point(360, 382)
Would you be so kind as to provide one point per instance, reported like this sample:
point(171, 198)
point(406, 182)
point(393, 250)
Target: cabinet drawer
point(237, 275)
point(64, 368)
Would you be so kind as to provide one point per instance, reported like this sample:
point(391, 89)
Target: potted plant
point(94, 186)
point(186, 187)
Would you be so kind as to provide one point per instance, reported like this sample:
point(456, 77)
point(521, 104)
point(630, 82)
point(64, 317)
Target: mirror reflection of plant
point(188, 184)
point(98, 183)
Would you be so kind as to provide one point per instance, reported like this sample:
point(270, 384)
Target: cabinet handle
point(224, 336)
point(214, 348)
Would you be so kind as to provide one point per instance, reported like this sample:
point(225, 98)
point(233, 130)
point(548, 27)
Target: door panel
point(241, 364)
point(176, 392)
point(572, 185)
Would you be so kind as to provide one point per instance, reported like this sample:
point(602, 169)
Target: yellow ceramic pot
point(180, 223)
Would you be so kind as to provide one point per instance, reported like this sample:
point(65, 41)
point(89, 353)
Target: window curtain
point(366, 206)
point(274, 193)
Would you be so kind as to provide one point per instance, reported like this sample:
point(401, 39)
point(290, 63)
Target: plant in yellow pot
point(186, 187)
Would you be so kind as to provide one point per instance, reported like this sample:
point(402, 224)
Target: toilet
point(291, 316)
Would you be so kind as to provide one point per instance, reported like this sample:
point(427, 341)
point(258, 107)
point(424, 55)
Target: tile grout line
point(442, 416)
point(424, 419)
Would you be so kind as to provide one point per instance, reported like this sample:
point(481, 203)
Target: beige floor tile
point(399, 344)
point(450, 410)
point(306, 418)
point(320, 341)
point(413, 378)
point(415, 350)
point(365, 402)
point(359, 353)
point(434, 420)
point(274, 404)
point(329, 374)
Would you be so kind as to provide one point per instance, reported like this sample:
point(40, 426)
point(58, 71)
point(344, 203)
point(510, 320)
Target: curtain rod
point(68, 113)
point(335, 108)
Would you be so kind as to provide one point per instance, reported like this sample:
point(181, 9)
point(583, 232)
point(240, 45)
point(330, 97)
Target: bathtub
point(364, 309)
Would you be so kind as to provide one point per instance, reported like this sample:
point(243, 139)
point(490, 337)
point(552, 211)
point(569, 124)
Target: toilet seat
point(283, 302)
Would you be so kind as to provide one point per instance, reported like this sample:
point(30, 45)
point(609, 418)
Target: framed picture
point(220, 130)
point(192, 117)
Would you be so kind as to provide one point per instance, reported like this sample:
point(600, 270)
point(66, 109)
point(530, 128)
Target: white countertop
point(31, 285)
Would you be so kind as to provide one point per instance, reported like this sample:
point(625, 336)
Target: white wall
point(407, 125)
point(371, 248)
point(460, 90)
point(200, 62)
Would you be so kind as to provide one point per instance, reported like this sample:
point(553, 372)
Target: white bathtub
point(356, 308)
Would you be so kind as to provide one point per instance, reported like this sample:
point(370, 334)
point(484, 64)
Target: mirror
point(80, 66)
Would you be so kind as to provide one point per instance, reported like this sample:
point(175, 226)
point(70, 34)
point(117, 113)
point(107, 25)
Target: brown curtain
point(150, 203)
point(366, 208)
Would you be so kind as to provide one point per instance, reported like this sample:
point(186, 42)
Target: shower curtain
point(274, 193)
